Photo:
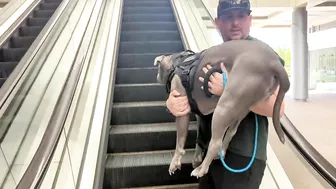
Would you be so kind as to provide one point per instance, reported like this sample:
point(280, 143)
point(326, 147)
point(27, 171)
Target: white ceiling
point(274, 16)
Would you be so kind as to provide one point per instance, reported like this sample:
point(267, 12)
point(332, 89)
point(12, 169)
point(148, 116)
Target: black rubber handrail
point(308, 152)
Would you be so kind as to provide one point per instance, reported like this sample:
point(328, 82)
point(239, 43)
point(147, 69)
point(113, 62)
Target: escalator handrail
point(308, 152)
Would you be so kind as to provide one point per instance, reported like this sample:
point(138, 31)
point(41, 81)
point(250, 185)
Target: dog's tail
point(283, 80)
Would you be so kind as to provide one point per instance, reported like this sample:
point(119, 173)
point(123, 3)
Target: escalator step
point(53, 1)
point(148, 18)
point(139, 92)
point(158, 136)
point(146, 169)
point(21, 42)
point(150, 36)
point(43, 13)
point(13, 54)
point(149, 26)
point(147, 10)
point(147, 3)
point(49, 6)
point(179, 186)
point(136, 75)
point(151, 46)
point(37, 21)
point(140, 113)
point(30, 31)
point(6, 68)
point(138, 61)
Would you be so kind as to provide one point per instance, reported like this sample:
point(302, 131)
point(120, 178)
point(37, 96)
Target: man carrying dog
point(234, 22)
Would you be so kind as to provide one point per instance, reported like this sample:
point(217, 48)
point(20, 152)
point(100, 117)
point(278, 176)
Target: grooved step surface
point(37, 21)
point(148, 18)
point(159, 136)
point(146, 169)
point(178, 186)
point(139, 92)
point(12, 55)
point(30, 31)
point(147, 10)
point(136, 75)
point(21, 42)
point(140, 112)
point(43, 13)
point(147, 3)
point(49, 6)
point(137, 60)
point(150, 46)
point(150, 36)
point(6, 68)
point(149, 26)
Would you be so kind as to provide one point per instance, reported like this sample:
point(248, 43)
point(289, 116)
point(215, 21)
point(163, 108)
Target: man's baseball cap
point(225, 5)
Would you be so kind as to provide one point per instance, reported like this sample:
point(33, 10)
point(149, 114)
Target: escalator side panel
point(18, 44)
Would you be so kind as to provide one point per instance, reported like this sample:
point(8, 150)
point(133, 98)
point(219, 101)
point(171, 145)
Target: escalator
point(18, 44)
point(142, 133)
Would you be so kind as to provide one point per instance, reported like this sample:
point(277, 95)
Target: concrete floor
point(316, 120)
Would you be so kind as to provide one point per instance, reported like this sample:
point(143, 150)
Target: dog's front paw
point(175, 164)
point(200, 171)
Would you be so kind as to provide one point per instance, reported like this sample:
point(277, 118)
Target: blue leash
point(255, 143)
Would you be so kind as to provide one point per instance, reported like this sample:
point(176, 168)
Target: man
point(234, 22)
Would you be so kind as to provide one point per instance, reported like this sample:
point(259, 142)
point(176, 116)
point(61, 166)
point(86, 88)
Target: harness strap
point(185, 68)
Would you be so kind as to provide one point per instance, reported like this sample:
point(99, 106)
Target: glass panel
point(28, 114)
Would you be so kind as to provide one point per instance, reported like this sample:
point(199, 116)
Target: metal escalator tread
point(12, 52)
point(147, 169)
point(142, 134)
point(178, 186)
point(32, 31)
point(129, 138)
point(6, 68)
point(21, 42)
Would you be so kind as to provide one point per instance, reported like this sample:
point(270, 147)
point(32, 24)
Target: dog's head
point(165, 66)
point(167, 63)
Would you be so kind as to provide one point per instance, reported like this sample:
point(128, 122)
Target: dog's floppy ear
point(157, 60)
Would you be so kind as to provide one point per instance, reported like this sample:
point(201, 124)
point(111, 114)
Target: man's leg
point(224, 179)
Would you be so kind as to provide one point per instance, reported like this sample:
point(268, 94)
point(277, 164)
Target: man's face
point(234, 24)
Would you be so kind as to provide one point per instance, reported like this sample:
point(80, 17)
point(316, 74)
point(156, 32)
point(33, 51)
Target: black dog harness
point(185, 66)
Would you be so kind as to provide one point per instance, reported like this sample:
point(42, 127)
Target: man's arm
point(265, 107)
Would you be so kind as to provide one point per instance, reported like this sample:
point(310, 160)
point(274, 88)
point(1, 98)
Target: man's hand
point(177, 105)
point(215, 81)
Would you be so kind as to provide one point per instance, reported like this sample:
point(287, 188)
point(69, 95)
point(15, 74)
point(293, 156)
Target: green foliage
point(285, 54)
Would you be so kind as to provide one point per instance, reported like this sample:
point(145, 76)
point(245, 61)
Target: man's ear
point(157, 60)
point(217, 22)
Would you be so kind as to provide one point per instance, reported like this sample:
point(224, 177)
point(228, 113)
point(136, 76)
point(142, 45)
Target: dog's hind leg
point(232, 107)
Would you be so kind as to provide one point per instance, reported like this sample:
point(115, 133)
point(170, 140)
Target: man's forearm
point(265, 107)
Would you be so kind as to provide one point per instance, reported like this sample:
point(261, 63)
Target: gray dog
point(254, 73)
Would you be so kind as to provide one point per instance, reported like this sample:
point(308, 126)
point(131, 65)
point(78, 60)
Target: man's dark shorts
point(219, 177)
